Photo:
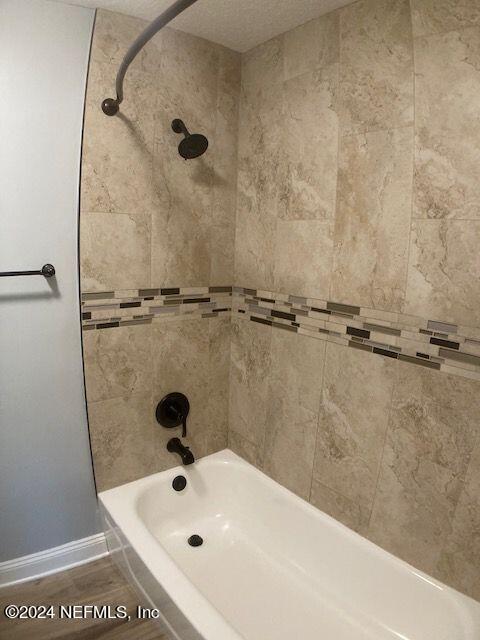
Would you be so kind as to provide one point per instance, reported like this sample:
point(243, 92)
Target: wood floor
point(97, 583)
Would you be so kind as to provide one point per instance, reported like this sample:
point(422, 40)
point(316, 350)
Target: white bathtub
point(271, 567)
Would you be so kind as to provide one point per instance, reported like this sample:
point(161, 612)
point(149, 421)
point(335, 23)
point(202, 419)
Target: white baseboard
point(50, 561)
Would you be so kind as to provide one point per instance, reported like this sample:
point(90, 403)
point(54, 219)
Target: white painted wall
point(47, 495)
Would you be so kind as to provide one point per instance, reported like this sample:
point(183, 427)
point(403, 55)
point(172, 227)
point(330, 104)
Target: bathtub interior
point(276, 567)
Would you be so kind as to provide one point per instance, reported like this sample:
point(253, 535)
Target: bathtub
point(271, 566)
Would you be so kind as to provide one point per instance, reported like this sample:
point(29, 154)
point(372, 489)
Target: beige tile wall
point(140, 224)
point(388, 448)
point(356, 182)
point(150, 219)
point(332, 158)
point(359, 154)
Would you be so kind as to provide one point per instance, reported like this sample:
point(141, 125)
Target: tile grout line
point(320, 402)
point(339, 139)
point(412, 196)
point(267, 402)
point(385, 436)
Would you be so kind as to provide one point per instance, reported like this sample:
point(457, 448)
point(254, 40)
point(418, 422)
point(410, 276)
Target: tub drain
point(195, 541)
point(179, 483)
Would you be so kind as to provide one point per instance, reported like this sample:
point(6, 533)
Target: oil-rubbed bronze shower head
point(193, 145)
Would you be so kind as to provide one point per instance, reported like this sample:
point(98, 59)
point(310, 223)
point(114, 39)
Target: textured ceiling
point(237, 24)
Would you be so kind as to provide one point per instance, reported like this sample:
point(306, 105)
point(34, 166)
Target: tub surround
point(109, 309)
point(318, 404)
point(344, 359)
point(394, 117)
point(328, 580)
point(135, 207)
point(388, 96)
point(392, 452)
point(428, 343)
point(126, 376)
point(142, 228)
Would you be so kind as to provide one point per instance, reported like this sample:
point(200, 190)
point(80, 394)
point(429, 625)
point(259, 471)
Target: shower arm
point(110, 106)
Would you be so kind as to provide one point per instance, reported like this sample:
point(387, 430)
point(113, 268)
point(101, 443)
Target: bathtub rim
point(204, 617)
point(198, 610)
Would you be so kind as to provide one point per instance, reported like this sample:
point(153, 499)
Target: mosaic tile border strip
point(110, 309)
point(428, 343)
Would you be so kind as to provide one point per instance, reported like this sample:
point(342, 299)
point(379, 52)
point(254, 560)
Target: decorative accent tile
point(98, 296)
point(394, 335)
point(144, 306)
point(428, 343)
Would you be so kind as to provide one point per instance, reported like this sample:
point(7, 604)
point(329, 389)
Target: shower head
point(193, 145)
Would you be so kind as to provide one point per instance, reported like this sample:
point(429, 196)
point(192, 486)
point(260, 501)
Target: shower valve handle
point(172, 411)
point(181, 417)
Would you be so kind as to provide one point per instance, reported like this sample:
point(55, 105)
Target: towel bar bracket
point(48, 270)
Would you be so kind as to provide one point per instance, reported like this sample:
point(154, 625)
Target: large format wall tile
point(431, 437)
point(448, 82)
point(117, 159)
point(447, 113)
point(262, 67)
point(258, 188)
point(181, 363)
point(122, 436)
point(438, 412)
point(255, 226)
point(293, 400)
point(115, 32)
point(444, 271)
point(180, 250)
point(193, 228)
point(259, 167)
point(310, 145)
point(191, 356)
point(250, 367)
point(312, 45)
point(303, 257)
point(188, 74)
point(114, 251)
point(372, 223)
point(225, 151)
point(376, 66)
point(220, 337)
point(460, 557)
point(438, 16)
point(117, 363)
point(182, 223)
point(348, 512)
point(414, 503)
point(353, 420)
point(245, 449)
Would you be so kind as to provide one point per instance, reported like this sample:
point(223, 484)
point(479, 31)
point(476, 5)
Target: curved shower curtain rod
point(110, 106)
